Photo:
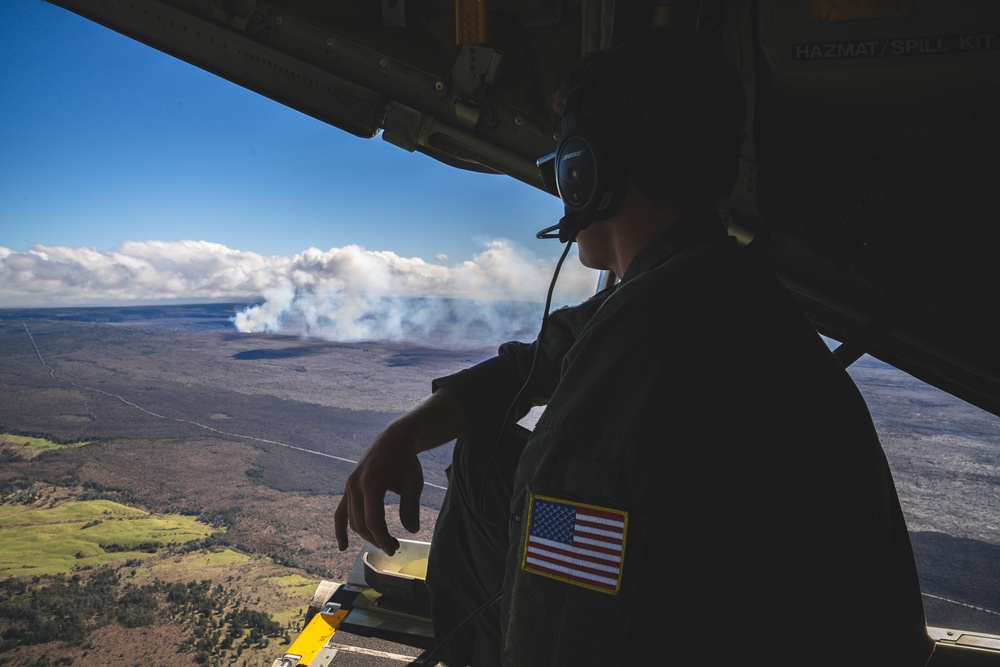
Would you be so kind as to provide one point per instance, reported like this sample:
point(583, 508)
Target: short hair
point(669, 106)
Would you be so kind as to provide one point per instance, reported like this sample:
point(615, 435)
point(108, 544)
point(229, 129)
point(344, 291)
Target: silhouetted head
point(664, 111)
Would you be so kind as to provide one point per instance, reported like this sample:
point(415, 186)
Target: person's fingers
point(340, 521)
point(356, 514)
point(409, 506)
point(376, 529)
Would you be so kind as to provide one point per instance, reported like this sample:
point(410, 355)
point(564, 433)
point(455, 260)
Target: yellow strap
point(314, 637)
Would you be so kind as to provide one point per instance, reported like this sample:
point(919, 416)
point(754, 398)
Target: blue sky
point(118, 159)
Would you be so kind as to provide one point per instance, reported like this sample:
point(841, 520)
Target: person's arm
point(391, 464)
point(477, 397)
point(488, 389)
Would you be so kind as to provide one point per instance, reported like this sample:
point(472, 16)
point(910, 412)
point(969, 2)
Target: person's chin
point(586, 257)
point(591, 264)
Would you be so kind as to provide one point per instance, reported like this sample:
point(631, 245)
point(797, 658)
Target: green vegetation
point(75, 559)
point(226, 557)
point(296, 587)
point(35, 444)
point(79, 534)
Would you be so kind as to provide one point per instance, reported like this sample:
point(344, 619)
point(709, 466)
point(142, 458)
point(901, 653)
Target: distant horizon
point(156, 304)
point(443, 322)
point(182, 303)
point(342, 293)
point(510, 329)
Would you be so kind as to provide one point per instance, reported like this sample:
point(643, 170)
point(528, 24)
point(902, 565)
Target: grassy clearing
point(221, 566)
point(14, 516)
point(79, 534)
point(298, 590)
point(296, 585)
point(29, 447)
point(226, 557)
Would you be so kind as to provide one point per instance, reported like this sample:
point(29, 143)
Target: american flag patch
point(579, 544)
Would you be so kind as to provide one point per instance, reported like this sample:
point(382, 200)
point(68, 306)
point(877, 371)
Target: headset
point(582, 172)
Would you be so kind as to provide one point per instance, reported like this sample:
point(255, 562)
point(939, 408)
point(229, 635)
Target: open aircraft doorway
point(869, 183)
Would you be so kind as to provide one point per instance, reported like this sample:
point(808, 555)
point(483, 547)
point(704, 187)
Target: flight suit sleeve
point(520, 372)
point(484, 390)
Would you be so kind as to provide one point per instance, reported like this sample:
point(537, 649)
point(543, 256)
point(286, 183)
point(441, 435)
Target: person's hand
point(389, 464)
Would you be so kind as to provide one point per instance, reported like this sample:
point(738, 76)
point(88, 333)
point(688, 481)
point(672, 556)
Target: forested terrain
point(67, 608)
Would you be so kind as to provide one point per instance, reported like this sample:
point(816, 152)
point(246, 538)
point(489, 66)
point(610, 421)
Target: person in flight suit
point(705, 485)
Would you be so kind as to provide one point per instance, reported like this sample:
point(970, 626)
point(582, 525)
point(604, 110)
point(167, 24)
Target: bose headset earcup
point(582, 171)
point(590, 185)
point(576, 176)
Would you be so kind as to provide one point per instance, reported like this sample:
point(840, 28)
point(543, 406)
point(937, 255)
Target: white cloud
point(346, 293)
